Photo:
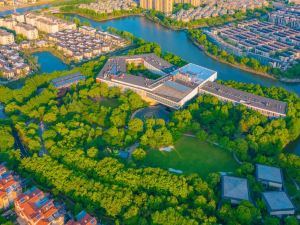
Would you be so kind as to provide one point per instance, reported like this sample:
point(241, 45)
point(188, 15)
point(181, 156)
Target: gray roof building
point(269, 175)
point(266, 106)
point(278, 203)
point(235, 189)
point(66, 81)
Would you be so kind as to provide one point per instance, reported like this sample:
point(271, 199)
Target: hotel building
point(8, 23)
point(34, 207)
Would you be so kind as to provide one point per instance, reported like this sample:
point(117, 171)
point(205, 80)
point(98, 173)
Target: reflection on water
point(49, 63)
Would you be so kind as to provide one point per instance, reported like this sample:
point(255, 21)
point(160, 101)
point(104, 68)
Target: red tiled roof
point(31, 206)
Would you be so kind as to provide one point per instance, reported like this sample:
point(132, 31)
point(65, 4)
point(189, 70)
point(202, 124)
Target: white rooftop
point(268, 173)
point(277, 201)
point(197, 73)
point(235, 188)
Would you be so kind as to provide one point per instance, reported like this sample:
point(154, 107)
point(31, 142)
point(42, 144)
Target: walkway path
point(236, 159)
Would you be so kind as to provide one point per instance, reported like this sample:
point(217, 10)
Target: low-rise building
point(83, 218)
point(235, 189)
point(287, 16)
point(269, 175)
point(266, 106)
point(9, 188)
point(35, 207)
point(278, 203)
point(108, 6)
point(209, 9)
point(173, 87)
point(12, 65)
point(68, 80)
point(85, 43)
point(87, 30)
point(6, 38)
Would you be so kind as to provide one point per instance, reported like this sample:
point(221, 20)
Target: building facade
point(30, 32)
point(6, 38)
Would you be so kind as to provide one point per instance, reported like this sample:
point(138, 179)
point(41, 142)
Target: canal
point(49, 63)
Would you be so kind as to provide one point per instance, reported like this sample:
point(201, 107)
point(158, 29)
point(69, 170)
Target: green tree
point(139, 154)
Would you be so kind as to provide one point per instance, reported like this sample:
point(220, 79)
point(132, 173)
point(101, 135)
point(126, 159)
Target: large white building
point(173, 88)
point(176, 86)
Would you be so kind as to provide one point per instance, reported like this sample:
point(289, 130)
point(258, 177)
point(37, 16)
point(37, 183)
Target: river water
point(49, 63)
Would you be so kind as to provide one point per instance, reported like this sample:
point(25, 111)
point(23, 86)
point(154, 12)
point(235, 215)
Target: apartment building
point(35, 207)
point(48, 24)
point(30, 32)
point(287, 16)
point(18, 17)
point(8, 23)
point(269, 43)
point(6, 38)
point(165, 6)
point(195, 3)
point(87, 30)
point(9, 188)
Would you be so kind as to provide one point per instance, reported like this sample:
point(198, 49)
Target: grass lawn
point(193, 156)
point(110, 102)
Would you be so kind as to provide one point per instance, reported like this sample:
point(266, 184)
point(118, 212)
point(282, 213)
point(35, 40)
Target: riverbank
point(53, 51)
point(99, 17)
point(100, 20)
point(25, 5)
point(244, 68)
